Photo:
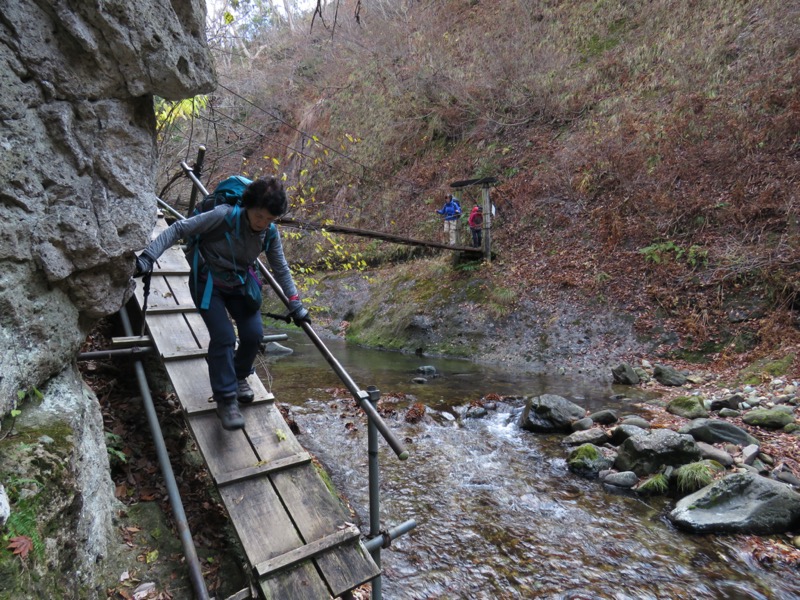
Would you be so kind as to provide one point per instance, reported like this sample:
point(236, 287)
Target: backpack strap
point(232, 223)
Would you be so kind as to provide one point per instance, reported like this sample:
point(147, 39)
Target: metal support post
point(189, 550)
point(374, 490)
point(487, 223)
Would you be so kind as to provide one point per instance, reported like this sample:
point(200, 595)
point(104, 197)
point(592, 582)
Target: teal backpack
point(228, 191)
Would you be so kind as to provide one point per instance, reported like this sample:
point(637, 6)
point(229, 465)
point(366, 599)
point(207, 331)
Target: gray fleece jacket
point(227, 257)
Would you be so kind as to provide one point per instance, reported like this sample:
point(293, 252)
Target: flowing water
point(498, 513)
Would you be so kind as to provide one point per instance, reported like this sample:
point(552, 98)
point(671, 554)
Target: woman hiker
point(475, 223)
point(225, 258)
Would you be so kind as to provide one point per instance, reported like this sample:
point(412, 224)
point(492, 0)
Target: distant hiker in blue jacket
point(452, 213)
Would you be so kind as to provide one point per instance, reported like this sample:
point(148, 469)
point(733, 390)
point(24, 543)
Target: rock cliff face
point(77, 168)
point(77, 159)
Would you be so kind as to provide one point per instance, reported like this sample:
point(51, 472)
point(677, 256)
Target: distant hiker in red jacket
point(475, 223)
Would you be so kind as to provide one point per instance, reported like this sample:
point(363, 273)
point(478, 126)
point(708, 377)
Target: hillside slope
point(647, 154)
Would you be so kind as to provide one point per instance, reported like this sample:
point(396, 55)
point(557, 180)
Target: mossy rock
point(588, 460)
point(768, 418)
point(691, 407)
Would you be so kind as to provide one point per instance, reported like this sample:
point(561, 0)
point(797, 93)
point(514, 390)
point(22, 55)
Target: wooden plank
point(184, 354)
point(308, 551)
point(190, 379)
point(223, 451)
point(180, 290)
point(263, 469)
point(299, 583)
point(317, 512)
point(269, 434)
point(160, 293)
point(171, 333)
point(132, 341)
point(167, 310)
point(260, 520)
point(172, 271)
point(199, 329)
point(210, 406)
point(347, 567)
point(173, 259)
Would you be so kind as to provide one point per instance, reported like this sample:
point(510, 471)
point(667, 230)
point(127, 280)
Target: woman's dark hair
point(266, 193)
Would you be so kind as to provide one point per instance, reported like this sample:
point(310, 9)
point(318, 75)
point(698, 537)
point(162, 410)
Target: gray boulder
point(690, 407)
point(595, 435)
point(668, 376)
point(625, 375)
point(549, 413)
point(645, 454)
point(588, 460)
point(604, 417)
point(5, 507)
point(713, 453)
point(636, 422)
point(626, 479)
point(620, 433)
point(768, 418)
point(740, 503)
point(713, 431)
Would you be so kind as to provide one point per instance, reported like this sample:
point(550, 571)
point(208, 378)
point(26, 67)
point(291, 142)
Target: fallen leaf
point(21, 545)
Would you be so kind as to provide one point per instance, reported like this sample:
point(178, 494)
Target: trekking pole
point(360, 396)
point(198, 169)
point(145, 293)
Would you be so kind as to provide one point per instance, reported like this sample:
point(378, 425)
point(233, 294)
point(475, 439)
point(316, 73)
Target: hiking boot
point(244, 393)
point(228, 413)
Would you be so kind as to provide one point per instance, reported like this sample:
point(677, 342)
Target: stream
point(498, 513)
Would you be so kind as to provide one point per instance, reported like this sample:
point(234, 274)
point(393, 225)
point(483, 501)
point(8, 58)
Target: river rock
point(275, 348)
point(636, 422)
point(549, 413)
point(620, 433)
point(750, 454)
point(666, 375)
point(475, 412)
point(740, 503)
point(768, 418)
point(714, 431)
point(604, 417)
point(729, 413)
point(5, 507)
point(645, 454)
point(595, 435)
point(582, 424)
point(588, 460)
point(624, 479)
point(624, 375)
point(732, 401)
point(713, 453)
point(690, 407)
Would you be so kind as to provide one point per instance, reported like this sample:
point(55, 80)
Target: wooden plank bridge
point(378, 235)
point(294, 530)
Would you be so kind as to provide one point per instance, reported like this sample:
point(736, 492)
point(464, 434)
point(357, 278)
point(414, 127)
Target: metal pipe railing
point(385, 538)
point(101, 354)
point(189, 550)
point(374, 492)
point(361, 397)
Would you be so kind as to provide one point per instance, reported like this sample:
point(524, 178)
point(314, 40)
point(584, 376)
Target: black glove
point(298, 313)
point(144, 264)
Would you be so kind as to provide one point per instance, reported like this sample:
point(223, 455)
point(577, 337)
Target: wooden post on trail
point(487, 223)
